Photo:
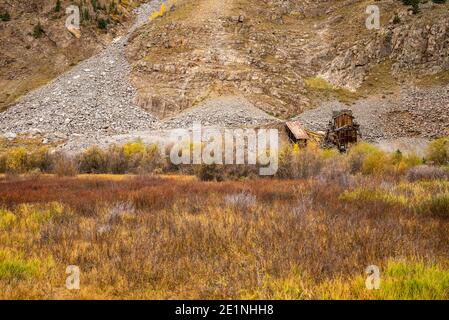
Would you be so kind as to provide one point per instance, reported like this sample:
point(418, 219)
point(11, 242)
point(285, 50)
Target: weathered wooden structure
point(342, 130)
point(297, 134)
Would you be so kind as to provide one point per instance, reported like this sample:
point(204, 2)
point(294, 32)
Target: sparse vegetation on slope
point(272, 53)
point(32, 56)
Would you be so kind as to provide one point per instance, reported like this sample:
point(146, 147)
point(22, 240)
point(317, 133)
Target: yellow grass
point(176, 237)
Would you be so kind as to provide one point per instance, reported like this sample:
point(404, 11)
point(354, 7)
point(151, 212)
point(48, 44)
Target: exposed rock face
point(263, 51)
point(254, 49)
point(417, 44)
point(94, 101)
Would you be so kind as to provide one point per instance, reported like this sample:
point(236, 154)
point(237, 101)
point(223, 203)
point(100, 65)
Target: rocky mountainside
point(36, 47)
point(415, 44)
point(92, 99)
point(270, 51)
point(209, 48)
point(226, 63)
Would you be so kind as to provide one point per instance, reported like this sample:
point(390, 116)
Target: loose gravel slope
point(94, 98)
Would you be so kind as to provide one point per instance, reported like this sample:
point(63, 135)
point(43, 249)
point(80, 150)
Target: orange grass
point(182, 238)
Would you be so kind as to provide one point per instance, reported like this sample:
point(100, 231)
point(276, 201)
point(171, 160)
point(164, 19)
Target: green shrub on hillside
point(414, 4)
point(5, 16)
point(38, 31)
point(102, 23)
point(57, 7)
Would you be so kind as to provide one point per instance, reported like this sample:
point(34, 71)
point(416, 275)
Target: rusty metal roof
point(297, 129)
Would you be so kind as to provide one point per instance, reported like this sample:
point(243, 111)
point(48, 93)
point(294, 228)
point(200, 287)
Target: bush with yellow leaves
point(367, 159)
point(16, 160)
point(297, 163)
point(438, 151)
point(403, 162)
point(157, 14)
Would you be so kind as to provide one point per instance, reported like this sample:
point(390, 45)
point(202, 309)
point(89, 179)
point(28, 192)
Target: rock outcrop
point(265, 50)
point(255, 49)
point(415, 44)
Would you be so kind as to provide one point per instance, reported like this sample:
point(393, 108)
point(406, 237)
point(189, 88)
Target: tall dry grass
point(157, 238)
